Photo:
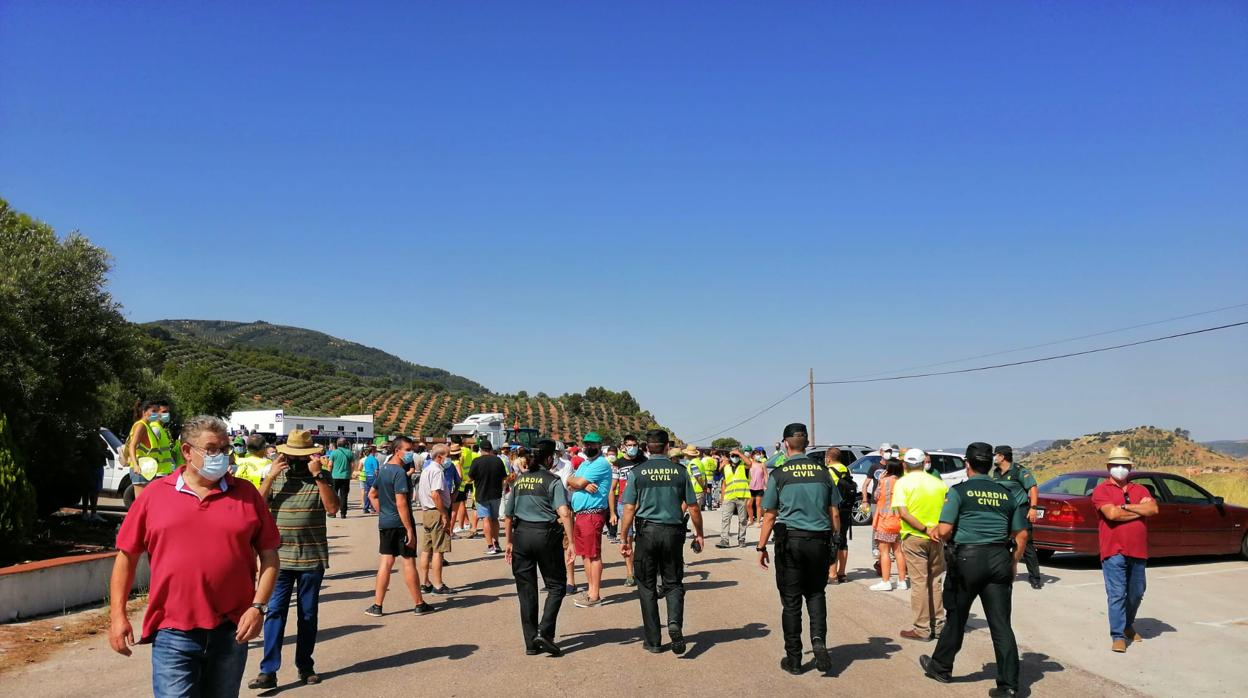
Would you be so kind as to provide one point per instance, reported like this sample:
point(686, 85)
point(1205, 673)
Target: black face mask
point(298, 466)
point(592, 451)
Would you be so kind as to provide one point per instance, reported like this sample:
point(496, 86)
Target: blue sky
point(695, 205)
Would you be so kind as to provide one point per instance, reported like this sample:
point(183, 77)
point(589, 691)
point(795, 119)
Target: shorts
point(393, 542)
point(842, 538)
point(98, 480)
point(756, 493)
point(489, 509)
point(460, 496)
point(436, 538)
point(587, 532)
point(136, 478)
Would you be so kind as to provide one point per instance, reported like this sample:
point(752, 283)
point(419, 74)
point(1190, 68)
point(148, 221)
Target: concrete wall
point(52, 586)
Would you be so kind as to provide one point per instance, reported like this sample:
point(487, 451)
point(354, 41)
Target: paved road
point(472, 645)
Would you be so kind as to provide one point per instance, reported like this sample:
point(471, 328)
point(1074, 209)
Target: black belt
point(998, 544)
point(648, 522)
point(797, 533)
point(521, 523)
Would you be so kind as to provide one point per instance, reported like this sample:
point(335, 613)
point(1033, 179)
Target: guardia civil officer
point(1012, 475)
point(801, 504)
point(980, 516)
point(538, 518)
point(653, 496)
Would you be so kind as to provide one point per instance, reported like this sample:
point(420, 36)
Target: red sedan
point(1190, 521)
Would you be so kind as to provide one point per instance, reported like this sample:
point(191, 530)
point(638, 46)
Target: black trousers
point(342, 487)
point(660, 552)
point(1030, 558)
point(802, 573)
point(538, 547)
point(986, 573)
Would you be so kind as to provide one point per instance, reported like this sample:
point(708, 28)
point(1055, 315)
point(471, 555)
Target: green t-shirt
point(657, 488)
point(295, 502)
point(536, 497)
point(983, 511)
point(802, 490)
point(341, 459)
point(1017, 477)
point(923, 497)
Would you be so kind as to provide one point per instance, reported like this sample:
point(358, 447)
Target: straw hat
point(299, 443)
point(691, 450)
point(673, 453)
point(1120, 456)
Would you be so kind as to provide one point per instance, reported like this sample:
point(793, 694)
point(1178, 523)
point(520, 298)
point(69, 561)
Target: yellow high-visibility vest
point(159, 447)
point(252, 468)
point(736, 482)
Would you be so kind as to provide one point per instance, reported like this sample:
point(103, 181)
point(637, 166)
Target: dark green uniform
point(1021, 478)
point(657, 488)
point(537, 543)
point(801, 492)
point(984, 514)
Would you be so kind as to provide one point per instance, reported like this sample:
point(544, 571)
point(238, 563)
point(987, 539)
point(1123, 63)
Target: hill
point(1151, 449)
point(349, 359)
point(273, 379)
point(1235, 449)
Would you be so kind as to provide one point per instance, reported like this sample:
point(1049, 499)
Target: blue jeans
point(197, 663)
point(307, 585)
point(368, 485)
point(1124, 586)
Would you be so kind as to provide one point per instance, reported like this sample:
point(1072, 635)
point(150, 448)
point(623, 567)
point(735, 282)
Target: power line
point(1033, 361)
point(754, 416)
point(1059, 341)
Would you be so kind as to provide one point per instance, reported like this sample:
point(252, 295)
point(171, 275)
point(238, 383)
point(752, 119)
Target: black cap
point(795, 429)
point(485, 445)
point(979, 452)
point(1004, 450)
point(543, 450)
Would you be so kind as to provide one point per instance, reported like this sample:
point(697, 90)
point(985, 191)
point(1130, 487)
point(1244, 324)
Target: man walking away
point(488, 474)
point(435, 498)
point(340, 461)
point(254, 466)
point(591, 487)
point(654, 496)
point(538, 520)
point(199, 640)
point(300, 495)
point(736, 495)
point(1123, 507)
point(848, 490)
point(395, 529)
point(801, 504)
point(981, 516)
point(369, 465)
point(918, 498)
point(1017, 476)
point(631, 456)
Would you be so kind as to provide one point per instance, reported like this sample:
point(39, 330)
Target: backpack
point(847, 487)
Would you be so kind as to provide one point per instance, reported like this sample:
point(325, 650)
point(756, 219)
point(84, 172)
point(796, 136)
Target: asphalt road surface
point(1193, 619)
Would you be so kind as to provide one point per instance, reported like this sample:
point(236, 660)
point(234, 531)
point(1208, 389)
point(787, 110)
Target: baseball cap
point(1004, 451)
point(979, 452)
point(914, 456)
point(592, 438)
point(795, 429)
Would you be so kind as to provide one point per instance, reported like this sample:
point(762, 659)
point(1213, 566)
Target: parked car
point(849, 452)
point(951, 466)
point(116, 474)
point(1190, 520)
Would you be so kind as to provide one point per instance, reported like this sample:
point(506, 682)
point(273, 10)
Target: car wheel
point(860, 517)
point(127, 496)
point(1044, 555)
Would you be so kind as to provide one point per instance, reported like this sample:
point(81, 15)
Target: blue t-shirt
point(370, 466)
point(390, 481)
point(598, 472)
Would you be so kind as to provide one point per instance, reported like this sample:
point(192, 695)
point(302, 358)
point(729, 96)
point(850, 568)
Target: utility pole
point(811, 385)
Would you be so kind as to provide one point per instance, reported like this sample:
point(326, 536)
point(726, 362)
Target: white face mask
point(1119, 472)
point(215, 467)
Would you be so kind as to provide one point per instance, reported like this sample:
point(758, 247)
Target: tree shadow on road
point(456, 602)
point(351, 575)
point(873, 648)
point(702, 641)
point(345, 596)
point(488, 584)
point(403, 659)
point(1032, 668)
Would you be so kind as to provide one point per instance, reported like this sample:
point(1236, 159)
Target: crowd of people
point(247, 520)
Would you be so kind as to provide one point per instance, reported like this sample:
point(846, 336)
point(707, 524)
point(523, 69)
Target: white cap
point(886, 447)
point(914, 456)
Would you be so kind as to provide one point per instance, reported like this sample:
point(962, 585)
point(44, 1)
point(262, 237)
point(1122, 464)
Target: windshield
point(1078, 485)
point(862, 465)
point(111, 439)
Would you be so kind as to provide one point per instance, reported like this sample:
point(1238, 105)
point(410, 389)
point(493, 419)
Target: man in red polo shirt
point(202, 530)
point(1123, 506)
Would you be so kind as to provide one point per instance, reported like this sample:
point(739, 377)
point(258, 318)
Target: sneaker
point(875, 553)
point(422, 608)
point(841, 579)
point(571, 590)
point(630, 581)
point(823, 661)
point(678, 641)
point(903, 584)
point(426, 588)
point(583, 601)
point(444, 590)
point(1037, 585)
point(373, 610)
point(881, 586)
point(263, 682)
point(491, 550)
point(96, 518)
point(1119, 646)
point(723, 544)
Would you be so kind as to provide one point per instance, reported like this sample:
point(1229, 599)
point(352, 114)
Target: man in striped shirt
point(300, 496)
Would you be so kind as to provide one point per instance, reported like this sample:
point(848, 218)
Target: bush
point(17, 497)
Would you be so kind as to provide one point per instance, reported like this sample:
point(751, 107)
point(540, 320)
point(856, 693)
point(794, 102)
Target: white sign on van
point(277, 417)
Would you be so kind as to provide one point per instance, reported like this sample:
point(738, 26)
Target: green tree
point(17, 497)
point(726, 442)
point(197, 390)
point(62, 340)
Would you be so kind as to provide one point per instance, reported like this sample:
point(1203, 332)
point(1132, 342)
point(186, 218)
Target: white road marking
point(1220, 623)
